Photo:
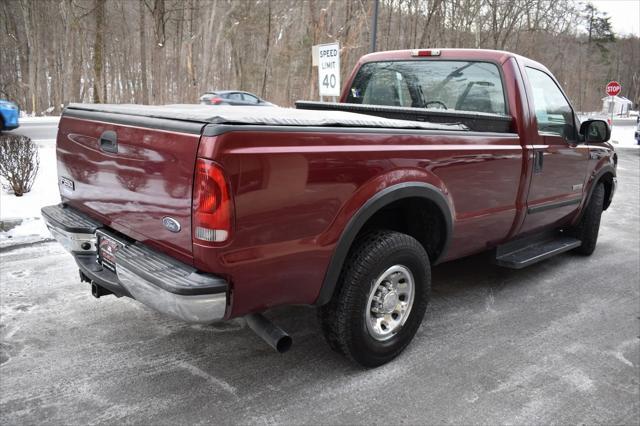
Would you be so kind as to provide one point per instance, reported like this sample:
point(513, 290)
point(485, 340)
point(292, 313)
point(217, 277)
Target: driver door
point(559, 161)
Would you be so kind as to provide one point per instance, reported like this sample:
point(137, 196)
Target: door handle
point(109, 141)
point(538, 161)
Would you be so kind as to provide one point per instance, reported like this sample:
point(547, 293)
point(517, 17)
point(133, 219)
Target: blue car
point(9, 113)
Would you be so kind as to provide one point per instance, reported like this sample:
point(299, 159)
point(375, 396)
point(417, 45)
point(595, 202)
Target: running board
point(521, 253)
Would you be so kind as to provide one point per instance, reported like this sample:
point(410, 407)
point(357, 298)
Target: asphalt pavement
point(38, 128)
point(557, 342)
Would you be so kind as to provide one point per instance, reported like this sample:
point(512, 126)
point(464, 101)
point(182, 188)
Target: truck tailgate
point(131, 178)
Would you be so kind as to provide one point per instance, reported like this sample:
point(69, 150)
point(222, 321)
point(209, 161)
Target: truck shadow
point(459, 285)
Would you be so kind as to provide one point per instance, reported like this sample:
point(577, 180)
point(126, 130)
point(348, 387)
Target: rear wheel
point(382, 298)
point(587, 230)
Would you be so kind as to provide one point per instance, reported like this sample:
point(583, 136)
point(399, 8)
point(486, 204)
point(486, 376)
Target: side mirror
point(595, 131)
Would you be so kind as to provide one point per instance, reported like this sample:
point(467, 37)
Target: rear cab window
point(432, 84)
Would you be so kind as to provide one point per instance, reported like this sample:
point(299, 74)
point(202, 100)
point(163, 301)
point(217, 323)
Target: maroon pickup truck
point(210, 213)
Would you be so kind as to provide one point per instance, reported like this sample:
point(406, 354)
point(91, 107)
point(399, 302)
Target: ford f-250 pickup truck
point(208, 214)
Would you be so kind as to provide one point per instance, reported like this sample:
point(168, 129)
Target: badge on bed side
point(171, 224)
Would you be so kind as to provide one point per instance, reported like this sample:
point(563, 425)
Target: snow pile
point(623, 136)
point(25, 210)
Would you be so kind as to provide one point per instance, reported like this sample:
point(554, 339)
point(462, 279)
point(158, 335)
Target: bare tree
point(159, 51)
point(99, 85)
point(143, 54)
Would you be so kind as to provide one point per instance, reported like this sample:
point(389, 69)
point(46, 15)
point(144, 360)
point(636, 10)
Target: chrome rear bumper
point(152, 278)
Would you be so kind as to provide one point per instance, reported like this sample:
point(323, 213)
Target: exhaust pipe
point(269, 332)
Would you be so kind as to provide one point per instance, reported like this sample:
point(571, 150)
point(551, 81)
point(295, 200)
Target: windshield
point(447, 85)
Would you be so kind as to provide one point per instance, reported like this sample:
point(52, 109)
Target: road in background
point(46, 128)
point(38, 128)
point(553, 343)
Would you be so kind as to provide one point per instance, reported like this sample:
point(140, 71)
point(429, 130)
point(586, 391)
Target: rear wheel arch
point(404, 195)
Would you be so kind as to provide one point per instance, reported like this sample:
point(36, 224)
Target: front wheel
point(381, 300)
point(589, 225)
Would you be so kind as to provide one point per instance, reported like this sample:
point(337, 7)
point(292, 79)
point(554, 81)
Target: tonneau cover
point(260, 115)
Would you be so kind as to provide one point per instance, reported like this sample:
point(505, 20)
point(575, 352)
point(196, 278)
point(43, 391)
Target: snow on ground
point(27, 208)
point(623, 136)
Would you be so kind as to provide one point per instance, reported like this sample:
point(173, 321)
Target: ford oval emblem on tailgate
point(171, 224)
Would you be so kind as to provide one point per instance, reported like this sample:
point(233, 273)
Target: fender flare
point(360, 218)
point(608, 168)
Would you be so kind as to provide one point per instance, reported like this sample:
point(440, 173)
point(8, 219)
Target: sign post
point(328, 60)
point(613, 89)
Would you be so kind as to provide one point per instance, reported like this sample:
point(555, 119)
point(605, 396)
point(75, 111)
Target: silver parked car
point(232, 97)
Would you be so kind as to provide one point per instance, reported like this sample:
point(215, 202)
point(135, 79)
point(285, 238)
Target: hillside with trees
point(170, 51)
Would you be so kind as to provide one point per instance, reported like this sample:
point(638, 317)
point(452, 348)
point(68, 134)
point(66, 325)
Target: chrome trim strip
point(554, 205)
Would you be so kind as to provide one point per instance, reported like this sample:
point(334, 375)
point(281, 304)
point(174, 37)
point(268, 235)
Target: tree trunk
point(265, 67)
point(27, 16)
point(158, 58)
point(191, 78)
point(143, 54)
point(98, 79)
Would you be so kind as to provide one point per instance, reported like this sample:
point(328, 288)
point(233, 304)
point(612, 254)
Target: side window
point(235, 96)
point(553, 112)
point(250, 98)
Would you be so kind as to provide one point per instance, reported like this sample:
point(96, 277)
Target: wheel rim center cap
point(389, 302)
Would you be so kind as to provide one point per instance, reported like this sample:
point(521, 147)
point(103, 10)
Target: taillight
point(216, 101)
point(212, 208)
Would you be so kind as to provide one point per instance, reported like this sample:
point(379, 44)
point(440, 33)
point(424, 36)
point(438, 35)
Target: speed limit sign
point(329, 69)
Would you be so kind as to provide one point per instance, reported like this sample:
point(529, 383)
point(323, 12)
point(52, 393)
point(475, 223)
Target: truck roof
point(498, 56)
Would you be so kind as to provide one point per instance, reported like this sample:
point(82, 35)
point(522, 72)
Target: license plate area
point(108, 246)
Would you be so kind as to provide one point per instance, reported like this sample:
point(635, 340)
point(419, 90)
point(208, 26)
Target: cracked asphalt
point(557, 342)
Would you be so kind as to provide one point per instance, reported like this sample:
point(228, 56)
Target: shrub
point(19, 162)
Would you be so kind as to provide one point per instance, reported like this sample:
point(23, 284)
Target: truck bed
point(476, 121)
point(222, 114)
point(132, 166)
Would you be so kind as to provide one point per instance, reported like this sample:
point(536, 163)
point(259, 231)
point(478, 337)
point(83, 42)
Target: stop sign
point(613, 88)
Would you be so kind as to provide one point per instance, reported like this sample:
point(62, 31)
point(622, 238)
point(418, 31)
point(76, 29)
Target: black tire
point(587, 230)
point(1, 124)
point(343, 319)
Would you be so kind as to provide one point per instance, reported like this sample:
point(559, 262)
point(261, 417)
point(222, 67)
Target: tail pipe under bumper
point(150, 277)
point(277, 338)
